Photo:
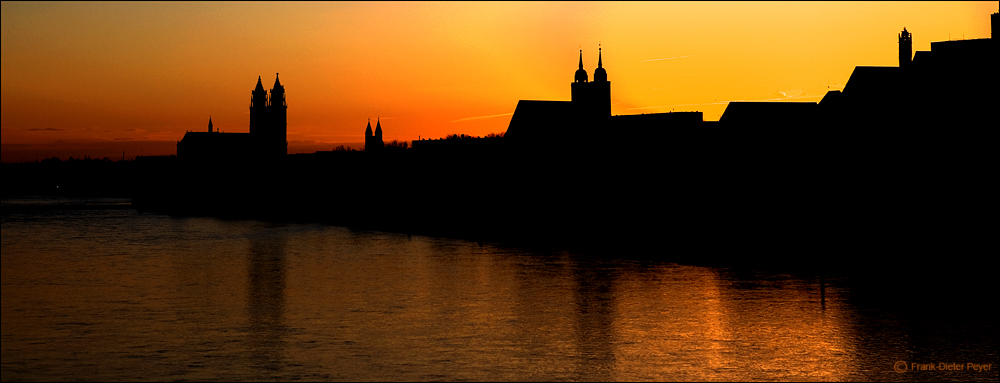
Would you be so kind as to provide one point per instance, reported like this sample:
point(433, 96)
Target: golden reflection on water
point(477, 312)
point(128, 297)
point(705, 328)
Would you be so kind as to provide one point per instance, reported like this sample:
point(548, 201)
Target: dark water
point(93, 290)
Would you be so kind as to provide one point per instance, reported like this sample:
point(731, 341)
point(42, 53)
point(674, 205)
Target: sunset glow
point(100, 79)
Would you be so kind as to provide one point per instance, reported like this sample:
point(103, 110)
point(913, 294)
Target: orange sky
point(101, 78)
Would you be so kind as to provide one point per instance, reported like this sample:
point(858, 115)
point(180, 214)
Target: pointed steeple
point(581, 74)
point(368, 131)
point(258, 97)
point(277, 99)
point(210, 124)
point(600, 75)
point(260, 86)
point(378, 128)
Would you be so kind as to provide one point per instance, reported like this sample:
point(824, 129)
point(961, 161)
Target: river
point(94, 290)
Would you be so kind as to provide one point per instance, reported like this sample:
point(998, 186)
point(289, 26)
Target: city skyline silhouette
point(594, 213)
point(650, 75)
point(552, 175)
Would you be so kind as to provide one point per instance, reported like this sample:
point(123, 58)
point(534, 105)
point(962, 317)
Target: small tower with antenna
point(905, 48)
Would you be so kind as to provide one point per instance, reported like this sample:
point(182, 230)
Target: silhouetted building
point(373, 141)
point(369, 136)
point(929, 89)
point(586, 118)
point(269, 118)
point(768, 114)
point(267, 140)
point(541, 121)
point(905, 48)
point(895, 145)
point(591, 99)
point(211, 147)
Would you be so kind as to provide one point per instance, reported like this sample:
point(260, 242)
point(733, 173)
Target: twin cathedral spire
point(268, 118)
point(600, 75)
point(374, 141)
point(591, 99)
point(267, 140)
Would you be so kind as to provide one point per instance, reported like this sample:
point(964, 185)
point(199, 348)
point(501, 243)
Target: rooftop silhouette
point(266, 140)
point(770, 176)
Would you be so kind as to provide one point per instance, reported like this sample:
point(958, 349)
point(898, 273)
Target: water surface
point(93, 290)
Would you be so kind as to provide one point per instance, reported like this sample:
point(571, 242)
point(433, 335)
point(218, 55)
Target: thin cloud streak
point(667, 58)
point(482, 117)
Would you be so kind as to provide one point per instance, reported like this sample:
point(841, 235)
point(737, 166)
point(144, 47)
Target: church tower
point(600, 75)
point(905, 48)
point(578, 89)
point(591, 99)
point(210, 124)
point(369, 137)
point(277, 136)
point(378, 134)
point(601, 89)
point(581, 74)
point(258, 109)
point(373, 141)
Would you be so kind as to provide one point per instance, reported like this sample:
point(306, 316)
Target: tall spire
point(600, 75)
point(581, 74)
point(210, 123)
point(378, 128)
point(368, 131)
point(277, 84)
point(599, 65)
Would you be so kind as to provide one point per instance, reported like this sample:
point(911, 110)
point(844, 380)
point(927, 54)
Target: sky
point(130, 78)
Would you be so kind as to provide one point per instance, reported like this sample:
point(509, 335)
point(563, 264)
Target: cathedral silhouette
point(543, 126)
point(373, 141)
point(592, 99)
point(267, 140)
point(926, 91)
point(892, 157)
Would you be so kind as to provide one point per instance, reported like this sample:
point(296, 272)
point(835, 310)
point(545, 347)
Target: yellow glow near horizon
point(120, 73)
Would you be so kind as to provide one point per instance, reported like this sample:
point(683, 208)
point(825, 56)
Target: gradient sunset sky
point(98, 79)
